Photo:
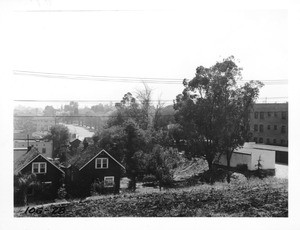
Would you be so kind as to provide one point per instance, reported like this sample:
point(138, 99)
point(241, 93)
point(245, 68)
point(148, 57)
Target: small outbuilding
point(250, 156)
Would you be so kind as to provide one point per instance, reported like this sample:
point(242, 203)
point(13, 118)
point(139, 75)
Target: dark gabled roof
point(82, 158)
point(27, 158)
point(75, 140)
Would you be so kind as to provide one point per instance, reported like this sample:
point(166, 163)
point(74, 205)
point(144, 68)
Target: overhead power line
point(106, 78)
point(162, 100)
point(83, 11)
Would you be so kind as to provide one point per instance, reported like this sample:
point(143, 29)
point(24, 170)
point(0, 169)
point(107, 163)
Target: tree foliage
point(213, 109)
point(49, 111)
point(59, 134)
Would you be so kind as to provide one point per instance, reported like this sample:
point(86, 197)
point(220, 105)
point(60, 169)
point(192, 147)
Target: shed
point(247, 155)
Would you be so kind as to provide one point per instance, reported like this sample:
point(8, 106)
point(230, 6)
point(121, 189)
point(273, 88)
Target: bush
point(242, 168)
point(149, 178)
point(131, 185)
point(211, 176)
point(97, 188)
point(62, 193)
point(149, 181)
point(167, 181)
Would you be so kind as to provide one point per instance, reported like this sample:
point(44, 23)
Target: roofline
point(97, 155)
point(37, 157)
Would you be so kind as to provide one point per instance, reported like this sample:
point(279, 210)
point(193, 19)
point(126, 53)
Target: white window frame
point(101, 163)
point(109, 177)
point(39, 167)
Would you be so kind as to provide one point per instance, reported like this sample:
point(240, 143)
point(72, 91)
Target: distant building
point(269, 124)
point(43, 146)
point(44, 123)
point(18, 152)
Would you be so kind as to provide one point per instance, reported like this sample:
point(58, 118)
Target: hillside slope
point(268, 198)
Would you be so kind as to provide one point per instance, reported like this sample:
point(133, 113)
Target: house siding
point(89, 173)
point(52, 174)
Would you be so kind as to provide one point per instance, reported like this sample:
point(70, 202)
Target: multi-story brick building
point(269, 123)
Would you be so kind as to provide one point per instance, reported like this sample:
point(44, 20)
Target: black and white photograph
point(148, 109)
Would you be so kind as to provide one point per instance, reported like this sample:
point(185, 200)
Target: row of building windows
point(268, 141)
point(261, 128)
point(261, 115)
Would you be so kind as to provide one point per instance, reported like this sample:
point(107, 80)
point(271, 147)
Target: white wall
point(267, 159)
point(236, 159)
point(251, 159)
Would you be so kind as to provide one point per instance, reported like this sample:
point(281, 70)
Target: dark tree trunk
point(228, 173)
point(133, 183)
point(228, 157)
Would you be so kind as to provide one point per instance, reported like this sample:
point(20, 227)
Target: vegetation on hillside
point(253, 198)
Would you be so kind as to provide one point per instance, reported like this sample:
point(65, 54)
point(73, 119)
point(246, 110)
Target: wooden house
point(50, 176)
point(94, 165)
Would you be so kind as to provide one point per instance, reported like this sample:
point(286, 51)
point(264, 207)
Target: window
point(283, 115)
point(275, 114)
point(268, 141)
point(39, 167)
point(255, 139)
point(269, 114)
point(261, 140)
point(43, 150)
point(283, 129)
point(261, 115)
point(256, 115)
point(255, 128)
point(109, 181)
point(261, 128)
point(101, 163)
point(275, 127)
point(282, 142)
point(274, 141)
point(269, 127)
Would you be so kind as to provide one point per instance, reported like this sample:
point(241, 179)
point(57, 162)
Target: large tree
point(213, 109)
point(59, 134)
point(49, 111)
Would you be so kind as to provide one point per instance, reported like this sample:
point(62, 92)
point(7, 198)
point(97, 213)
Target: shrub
point(242, 168)
point(149, 178)
point(97, 188)
point(62, 193)
point(167, 180)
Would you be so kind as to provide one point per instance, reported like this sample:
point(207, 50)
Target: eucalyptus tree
point(214, 109)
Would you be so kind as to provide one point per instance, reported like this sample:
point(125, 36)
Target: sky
point(144, 41)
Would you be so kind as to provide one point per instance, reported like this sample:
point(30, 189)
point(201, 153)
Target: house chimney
point(29, 148)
